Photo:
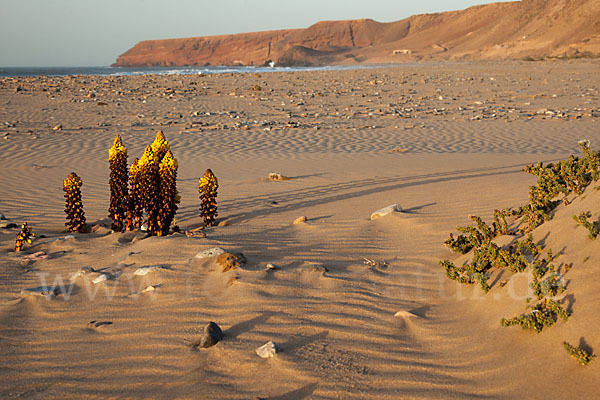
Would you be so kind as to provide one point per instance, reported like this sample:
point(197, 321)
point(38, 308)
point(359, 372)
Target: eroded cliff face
point(530, 28)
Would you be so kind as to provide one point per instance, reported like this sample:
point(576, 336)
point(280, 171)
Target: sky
point(45, 33)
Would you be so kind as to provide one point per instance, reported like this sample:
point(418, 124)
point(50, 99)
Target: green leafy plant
point(580, 355)
point(582, 219)
point(565, 177)
point(543, 314)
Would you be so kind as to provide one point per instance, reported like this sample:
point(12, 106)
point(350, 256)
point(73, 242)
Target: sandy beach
point(441, 140)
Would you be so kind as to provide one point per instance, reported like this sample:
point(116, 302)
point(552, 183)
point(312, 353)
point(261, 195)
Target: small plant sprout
point(24, 236)
point(582, 356)
point(73, 203)
point(207, 186)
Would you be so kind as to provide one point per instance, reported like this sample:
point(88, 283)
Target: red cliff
point(512, 30)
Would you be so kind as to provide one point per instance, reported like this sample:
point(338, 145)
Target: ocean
point(129, 71)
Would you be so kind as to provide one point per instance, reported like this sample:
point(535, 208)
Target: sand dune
point(332, 316)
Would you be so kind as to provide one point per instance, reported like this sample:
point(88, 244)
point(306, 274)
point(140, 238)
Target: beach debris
point(211, 335)
point(229, 261)
point(119, 179)
point(150, 268)
point(385, 211)
point(207, 186)
point(98, 324)
point(267, 350)
point(215, 251)
point(24, 236)
point(374, 263)
point(300, 220)
point(39, 255)
point(274, 176)
point(73, 203)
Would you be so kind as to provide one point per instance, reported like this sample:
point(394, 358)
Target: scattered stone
point(216, 251)
point(224, 223)
point(274, 176)
point(144, 227)
point(211, 335)
point(82, 272)
point(317, 267)
point(385, 211)
point(57, 128)
point(145, 270)
point(300, 220)
point(2, 217)
point(374, 263)
point(101, 278)
point(40, 255)
point(271, 266)
point(267, 350)
point(150, 288)
point(229, 261)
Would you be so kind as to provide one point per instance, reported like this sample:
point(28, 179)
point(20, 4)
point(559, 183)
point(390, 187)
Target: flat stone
point(150, 288)
point(100, 278)
point(267, 350)
point(385, 211)
point(40, 255)
point(215, 251)
point(300, 220)
point(211, 335)
point(145, 270)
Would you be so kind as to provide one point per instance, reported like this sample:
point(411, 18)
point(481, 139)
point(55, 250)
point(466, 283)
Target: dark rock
point(211, 335)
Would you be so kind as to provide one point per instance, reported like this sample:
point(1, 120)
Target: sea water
point(129, 71)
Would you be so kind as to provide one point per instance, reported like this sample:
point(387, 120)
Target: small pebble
point(267, 350)
point(300, 220)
